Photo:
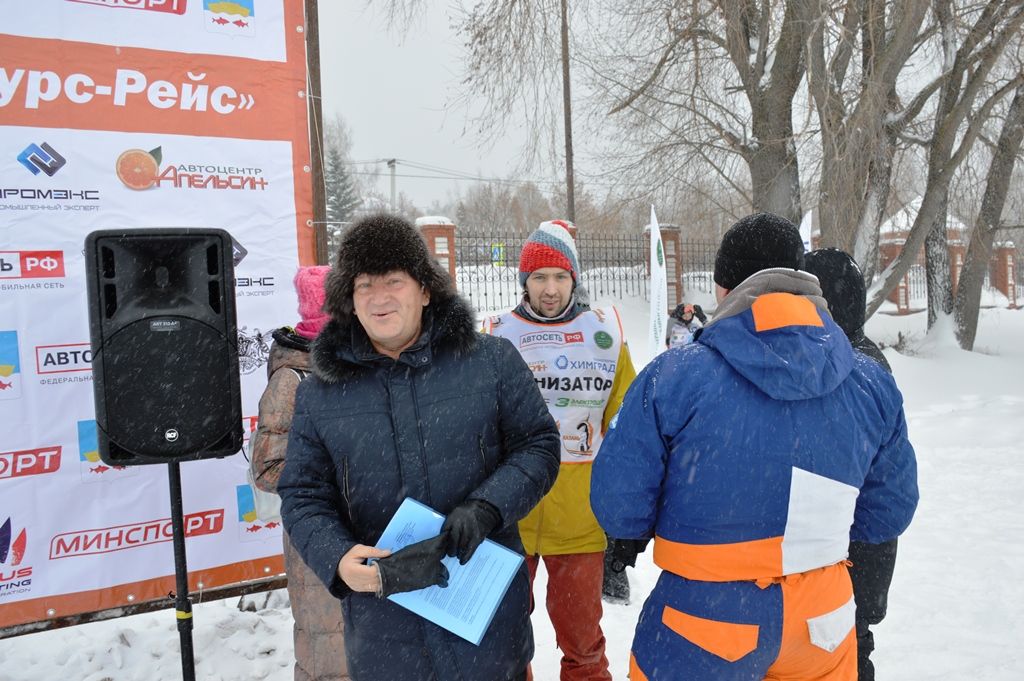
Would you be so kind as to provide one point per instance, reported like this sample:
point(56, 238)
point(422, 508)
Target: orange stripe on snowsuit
point(779, 310)
point(634, 670)
point(807, 598)
point(728, 640)
point(746, 560)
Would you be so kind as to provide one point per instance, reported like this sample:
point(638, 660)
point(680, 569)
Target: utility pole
point(570, 190)
point(316, 131)
point(392, 162)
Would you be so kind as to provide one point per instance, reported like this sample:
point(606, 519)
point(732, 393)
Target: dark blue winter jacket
point(456, 417)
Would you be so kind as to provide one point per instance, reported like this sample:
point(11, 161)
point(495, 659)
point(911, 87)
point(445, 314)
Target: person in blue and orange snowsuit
point(752, 457)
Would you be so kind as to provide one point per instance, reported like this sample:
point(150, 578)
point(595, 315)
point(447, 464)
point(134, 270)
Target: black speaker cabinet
point(164, 343)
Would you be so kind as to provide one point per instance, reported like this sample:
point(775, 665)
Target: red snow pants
point(574, 605)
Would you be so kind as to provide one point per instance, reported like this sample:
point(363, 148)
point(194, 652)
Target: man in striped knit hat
point(582, 366)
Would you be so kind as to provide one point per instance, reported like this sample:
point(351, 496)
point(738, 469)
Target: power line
point(441, 173)
point(450, 174)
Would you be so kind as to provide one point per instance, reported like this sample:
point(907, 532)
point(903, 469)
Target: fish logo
point(89, 455)
point(10, 366)
point(246, 504)
point(251, 526)
point(88, 444)
point(12, 552)
point(236, 17)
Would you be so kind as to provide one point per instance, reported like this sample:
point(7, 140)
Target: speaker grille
point(167, 388)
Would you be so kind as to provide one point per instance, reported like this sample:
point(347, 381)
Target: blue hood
point(800, 356)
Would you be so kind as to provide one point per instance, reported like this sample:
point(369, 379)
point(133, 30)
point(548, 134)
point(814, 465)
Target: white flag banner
point(659, 289)
point(805, 231)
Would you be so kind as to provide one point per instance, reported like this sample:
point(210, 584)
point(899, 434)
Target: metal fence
point(613, 266)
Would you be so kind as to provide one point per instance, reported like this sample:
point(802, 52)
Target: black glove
point(468, 525)
point(625, 551)
point(417, 566)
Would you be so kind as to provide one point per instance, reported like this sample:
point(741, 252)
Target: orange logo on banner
point(137, 169)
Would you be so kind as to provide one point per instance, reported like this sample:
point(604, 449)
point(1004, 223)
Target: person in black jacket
point(842, 285)
point(408, 400)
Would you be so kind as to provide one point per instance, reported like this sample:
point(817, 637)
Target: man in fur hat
point(581, 363)
point(408, 400)
point(752, 457)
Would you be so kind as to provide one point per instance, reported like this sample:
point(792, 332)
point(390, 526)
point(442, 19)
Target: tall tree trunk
point(979, 250)
point(937, 268)
point(775, 175)
point(769, 84)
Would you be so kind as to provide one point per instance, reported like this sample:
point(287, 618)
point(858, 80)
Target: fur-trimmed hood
point(449, 325)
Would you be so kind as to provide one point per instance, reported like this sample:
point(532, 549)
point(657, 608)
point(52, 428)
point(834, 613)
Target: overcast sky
point(393, 88)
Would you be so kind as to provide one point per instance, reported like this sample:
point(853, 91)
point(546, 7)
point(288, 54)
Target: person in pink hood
point(319, 644)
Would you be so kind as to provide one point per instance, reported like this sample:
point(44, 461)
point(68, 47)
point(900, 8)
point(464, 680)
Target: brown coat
point(319, 642)
point(277, 405)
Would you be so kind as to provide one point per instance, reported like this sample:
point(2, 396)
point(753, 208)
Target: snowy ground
point(954, 611)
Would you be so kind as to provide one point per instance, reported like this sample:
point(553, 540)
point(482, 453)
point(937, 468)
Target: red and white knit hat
point(550, 245)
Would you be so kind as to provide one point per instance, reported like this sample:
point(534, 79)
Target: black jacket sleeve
point(530, 441)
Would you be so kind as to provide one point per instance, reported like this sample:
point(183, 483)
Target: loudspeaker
point(164, 343)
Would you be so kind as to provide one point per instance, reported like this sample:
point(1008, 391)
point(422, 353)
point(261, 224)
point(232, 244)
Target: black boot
point(615, 588)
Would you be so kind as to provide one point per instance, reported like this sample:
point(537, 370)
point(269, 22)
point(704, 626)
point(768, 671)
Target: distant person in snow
point(580, 360)
point(842, 285)
point(407, 399)
point(752, 457)
point(683, 322)
point(318, 630)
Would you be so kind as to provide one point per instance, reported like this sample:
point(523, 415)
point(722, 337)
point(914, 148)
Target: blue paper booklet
point(467, 605)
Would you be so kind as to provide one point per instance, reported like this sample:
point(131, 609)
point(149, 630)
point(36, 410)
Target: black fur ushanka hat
point(378, 244)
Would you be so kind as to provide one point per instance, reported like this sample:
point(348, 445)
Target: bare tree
point(860, 113)
point(518, 61)
point(704, 83)
point(973, 42)
point(979, 250)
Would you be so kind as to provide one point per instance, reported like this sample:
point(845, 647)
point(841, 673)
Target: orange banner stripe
point(54, 83)
point(38, 609)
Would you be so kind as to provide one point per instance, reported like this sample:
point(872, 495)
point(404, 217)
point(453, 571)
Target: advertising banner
point(134, 114)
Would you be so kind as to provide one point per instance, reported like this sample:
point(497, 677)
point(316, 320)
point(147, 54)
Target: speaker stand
point(182, 604)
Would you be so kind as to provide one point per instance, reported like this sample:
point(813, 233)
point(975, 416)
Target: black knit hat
point(378, 244)
point(842, 285)
point(757, 242)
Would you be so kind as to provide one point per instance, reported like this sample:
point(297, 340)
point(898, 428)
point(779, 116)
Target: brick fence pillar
point(957, 253)
point(1005, 272)
point(887, 252)
point(439, 233)
point(671, 244)
point(670, 239)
